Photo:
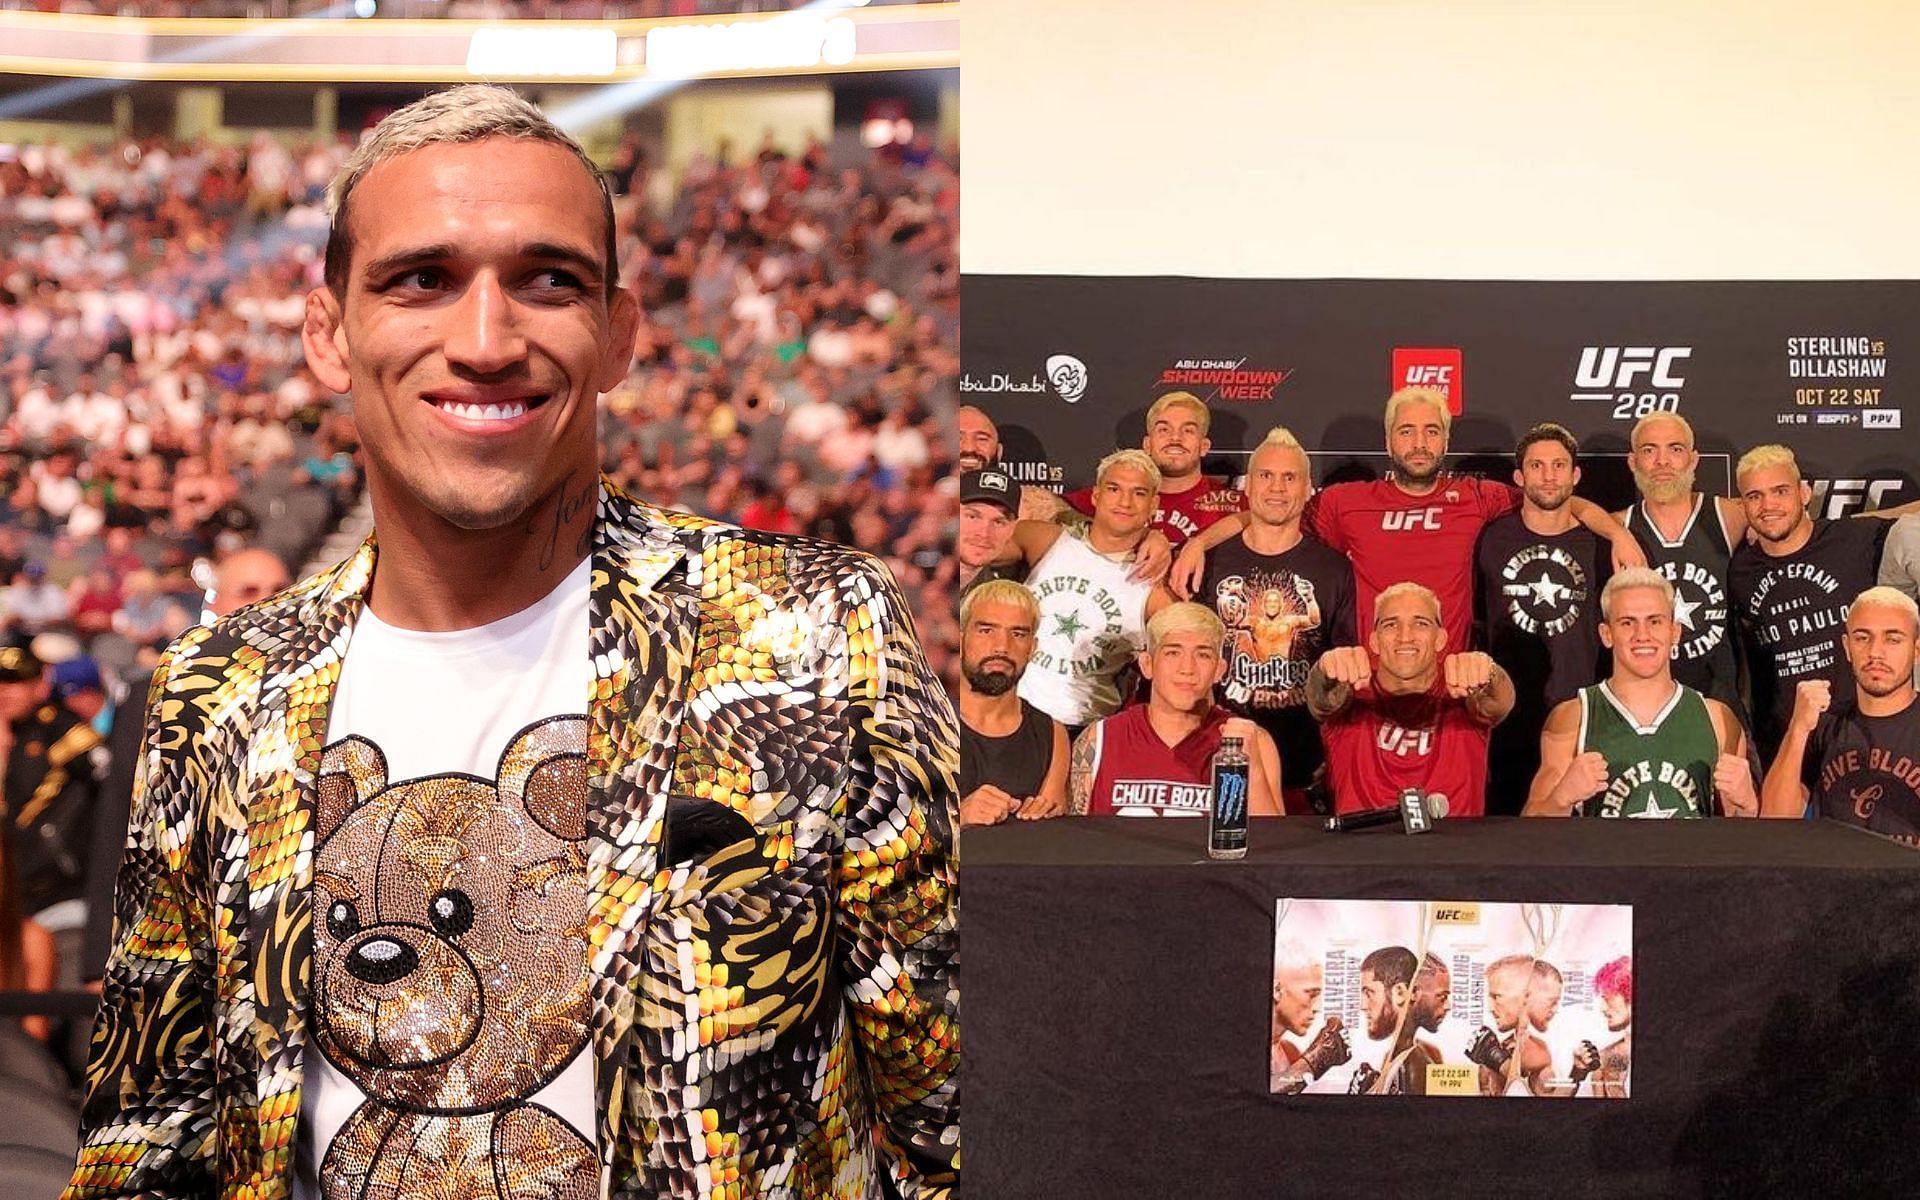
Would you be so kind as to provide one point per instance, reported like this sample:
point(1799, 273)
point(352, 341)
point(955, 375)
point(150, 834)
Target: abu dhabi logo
point(1068, 375)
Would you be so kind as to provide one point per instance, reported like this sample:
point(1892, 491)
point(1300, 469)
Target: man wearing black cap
point(989, 505)
point(50, 784)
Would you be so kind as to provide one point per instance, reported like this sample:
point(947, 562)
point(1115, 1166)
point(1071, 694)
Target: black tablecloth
point(1117, 1013)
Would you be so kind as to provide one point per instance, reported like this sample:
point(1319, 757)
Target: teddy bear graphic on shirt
point(450, 980)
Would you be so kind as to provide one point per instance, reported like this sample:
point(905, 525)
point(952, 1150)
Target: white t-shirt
point(464, 708)
point(1093, 620)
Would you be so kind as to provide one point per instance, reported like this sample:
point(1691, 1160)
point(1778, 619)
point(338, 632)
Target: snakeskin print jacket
point(773, 1010)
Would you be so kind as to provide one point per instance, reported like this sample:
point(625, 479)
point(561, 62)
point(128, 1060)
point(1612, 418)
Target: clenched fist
point(1467, 674)
point(1585, 776)
point(1347, 664)
point(1810, 698)
point(1733, 782)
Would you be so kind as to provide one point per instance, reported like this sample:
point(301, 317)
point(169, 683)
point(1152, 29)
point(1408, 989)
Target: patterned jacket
point(772, 1017)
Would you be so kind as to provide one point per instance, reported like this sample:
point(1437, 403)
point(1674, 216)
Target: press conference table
point(1116, 1013)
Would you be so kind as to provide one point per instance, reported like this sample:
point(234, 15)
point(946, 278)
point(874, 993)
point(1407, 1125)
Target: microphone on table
point(1416, 813)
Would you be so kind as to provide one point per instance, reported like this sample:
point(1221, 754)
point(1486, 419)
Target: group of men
point(1513, 648)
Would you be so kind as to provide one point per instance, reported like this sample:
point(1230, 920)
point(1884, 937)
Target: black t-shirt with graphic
point(1539, 601)
point(1866, 770)
point(1695, 563)
point(1793, 610)
point(1537, 612)
point(1282, 612)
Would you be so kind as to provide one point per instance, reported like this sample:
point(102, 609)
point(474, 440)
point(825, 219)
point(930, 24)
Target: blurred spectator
point(247, 576)
point(28, 962)
point(76, 685)
point(33, 603)
point(50, 783)
point(147, 617)
point(94, 601)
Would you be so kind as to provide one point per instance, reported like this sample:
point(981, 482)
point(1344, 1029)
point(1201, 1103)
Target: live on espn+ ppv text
point(1066, 366)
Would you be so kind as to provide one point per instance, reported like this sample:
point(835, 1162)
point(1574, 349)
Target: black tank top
point(1016, 764)
point(1696, 565)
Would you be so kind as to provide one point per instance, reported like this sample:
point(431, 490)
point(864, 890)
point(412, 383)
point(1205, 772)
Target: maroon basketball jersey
point(1135, 774)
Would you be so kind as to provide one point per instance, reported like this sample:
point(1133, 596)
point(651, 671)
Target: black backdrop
point(1818, 365)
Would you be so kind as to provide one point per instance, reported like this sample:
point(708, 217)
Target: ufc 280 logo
point(1636, 380)
point(1411, 518)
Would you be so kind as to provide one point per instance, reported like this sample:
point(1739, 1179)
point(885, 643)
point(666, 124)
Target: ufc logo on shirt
point(1411, 518)
point(1407, 743)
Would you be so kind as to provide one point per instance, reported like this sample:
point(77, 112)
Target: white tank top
point(1093, 619)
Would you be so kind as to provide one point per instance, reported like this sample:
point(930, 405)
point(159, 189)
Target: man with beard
point(1176, 441)
point(1642, 743)
point(1509, 987)
point(1539, 574)
point(980, 448)
point(1689, 537)
point(1013, 757)
point(988, 509)
point(1156, 759)
point(1414, 720)
point(1298, 981)
point(1285, 598)
point(1387, 1001)
point(1418, 525)
point(1858, 759)
point(1600, 1072)
point(1791, 586)
point(1093, 613)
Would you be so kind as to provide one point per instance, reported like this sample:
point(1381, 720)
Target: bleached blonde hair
point(1629, 579)
point(1184, 617)
point(1886, 597)
point(1760, 458)
point(469, 113)
point(1418, 395)
point(1187, 399)
point(1633, 438)
point(1000, 591)
point(1407, 587)
point(1137, 459)
point(1282, 437)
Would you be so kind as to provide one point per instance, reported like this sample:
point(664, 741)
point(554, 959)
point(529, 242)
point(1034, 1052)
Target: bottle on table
point(1227, 823)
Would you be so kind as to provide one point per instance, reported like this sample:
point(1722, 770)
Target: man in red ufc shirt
point(1419, 524)
point(1156, 759)
point(1176, 441)
point(1415, 719)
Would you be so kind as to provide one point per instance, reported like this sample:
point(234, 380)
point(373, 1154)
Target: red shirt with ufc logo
point(1180, 515)
point(1393, 536)
point(1380, 744)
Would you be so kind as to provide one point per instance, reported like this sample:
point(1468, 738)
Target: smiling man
point(1791, 585)
point(1640, 743)
point(1856, 755)
point(552, 844)
point(1395, 714)
point(1156, 759)
point(1093, 612)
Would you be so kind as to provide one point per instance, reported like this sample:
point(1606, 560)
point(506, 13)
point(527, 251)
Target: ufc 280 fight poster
point(1452, 998)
